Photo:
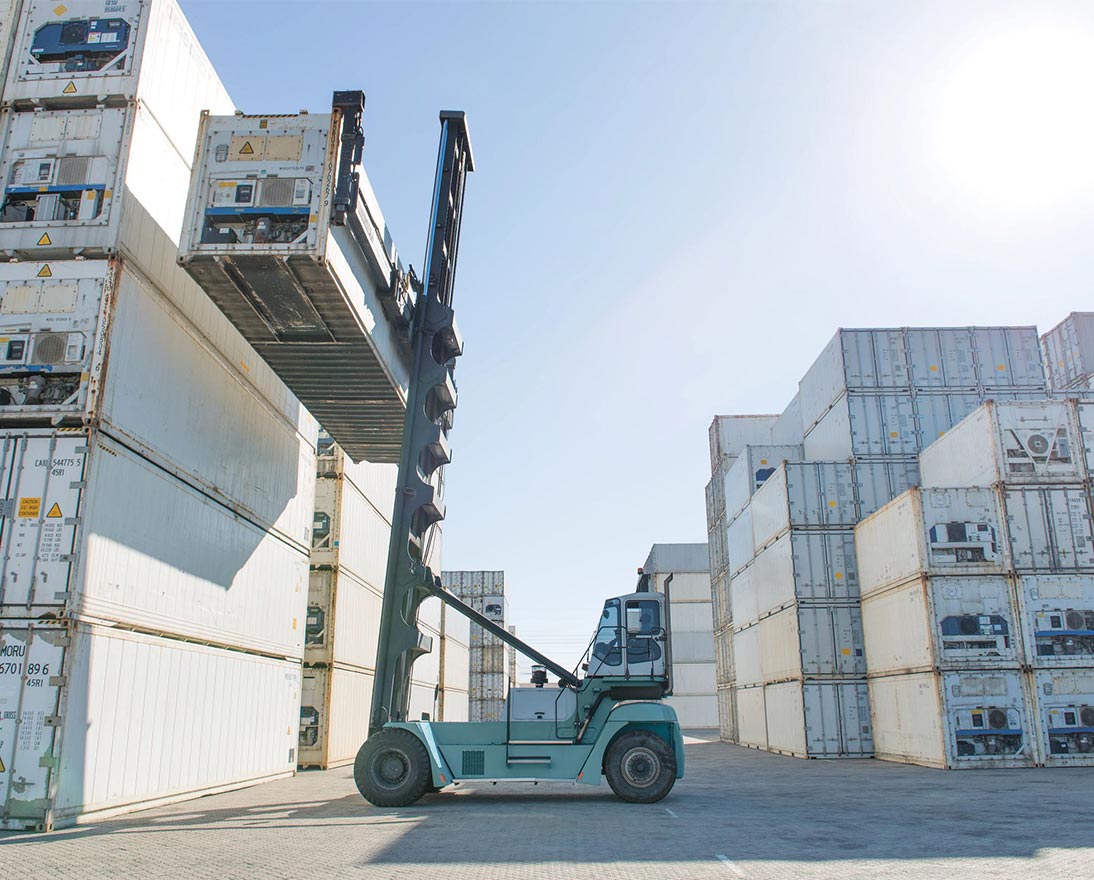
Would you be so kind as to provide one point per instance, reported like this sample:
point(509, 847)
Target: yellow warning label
point(294, 623)
point(846, 652)
point(60, 9)
point(55, 512)
point(70, 89)
point(1001, 367)
point(45, 239)
point(2, 769)
point(831, 503)
point(839, 575)
point(45, 272)
point(933, 368)
point(247, 149)
point(29, 508)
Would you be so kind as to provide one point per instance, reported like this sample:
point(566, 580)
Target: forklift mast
point(431, 400)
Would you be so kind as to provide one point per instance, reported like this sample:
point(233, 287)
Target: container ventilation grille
point(277, 192)
point(49, 348)
point(73, 170)
point(474, 763)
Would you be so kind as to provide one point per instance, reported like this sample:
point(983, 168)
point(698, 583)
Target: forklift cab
point(632, 638)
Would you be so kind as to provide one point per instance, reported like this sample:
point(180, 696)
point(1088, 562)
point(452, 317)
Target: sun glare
point(1016, 121)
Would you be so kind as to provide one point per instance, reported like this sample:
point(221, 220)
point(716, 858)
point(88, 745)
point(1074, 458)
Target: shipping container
point(99, 720)
point(740, 541)
point(258, 237)
point(942, 623)
point(9, 21)
point(485, 709)
point(1069, 351)
point(728, 435)
point(695, 711)
point(692, 634)
point(727, 714)
point(787, 430)
point(86, 53)
point(723, 657)
point(1057, 613)
point(750, 470)
point(819, 719)
point(335, 703)
point(465, 584)
point(721, 607)
point(717, 548)
point(886, 361)
point(800, 642)
point(349, 532)
point(1084, 415)
point(1065, 716)
point(1050, 528)
point(800, 565)
point(751, 716)
point(813, 493)
point(931, 531)
point(89, 525)
point(1009, 442)
point(953, 720)
point(343, 622)
point(423, 701)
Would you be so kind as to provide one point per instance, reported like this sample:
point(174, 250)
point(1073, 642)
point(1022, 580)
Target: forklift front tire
point(640, 767)
point(392, 768)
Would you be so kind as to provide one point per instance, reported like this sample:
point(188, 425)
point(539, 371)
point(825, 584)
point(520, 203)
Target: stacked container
point(694, 691)
point(1069, 353)
point(488, 679)
point(974, 595)
point(157, 477)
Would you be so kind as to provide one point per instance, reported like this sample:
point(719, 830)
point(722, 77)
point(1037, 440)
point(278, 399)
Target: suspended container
point(932, 532)
point(942, 623)
point(79, 737)
point(1065, 716)
point(335, 703)
point(87, 53)
point(954, 720)
point(1032, 442)
point(312, 282)
point(1057, 612)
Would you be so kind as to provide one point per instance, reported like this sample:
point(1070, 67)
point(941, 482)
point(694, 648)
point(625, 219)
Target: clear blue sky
point(676, 206)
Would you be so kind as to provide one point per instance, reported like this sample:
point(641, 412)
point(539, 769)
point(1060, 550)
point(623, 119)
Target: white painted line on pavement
point(671, 813)
point(729, 864)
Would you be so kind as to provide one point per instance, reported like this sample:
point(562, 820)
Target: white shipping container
point(9, 18)
point(717, 547)
point(802, 564)
point(456, 706)
point(485, 710)
point(860, 425)
point(723, 658)
point(465, 584)
point(349, 532)
point(1050, 528)
point(955, 720)
point(455, 626)
point(931, 531)
point(377, 482)
point(1069, 351)
point(813, 493)
point(728, 435)
point(692, 678)
point(751, 469)
point(335, 703)
point(423, 702)
point(1057, 619)
point(801, 642)
point(751, 716)
point(89, 526)
point(819, 719)
point(942, 622)
point(720, 606)
point(1011, 442)
point(695, 711)
point(740, 541)
point(1084, 412)
point(489, 685)
point(84, 53)
point(456, 666)
point(690, 645)
point(1065, 716)
point(133, 720)
point(343, 622)
point(727, 714)
point(787, 430)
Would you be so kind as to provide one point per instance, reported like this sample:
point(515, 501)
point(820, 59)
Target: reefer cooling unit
point(283, 232)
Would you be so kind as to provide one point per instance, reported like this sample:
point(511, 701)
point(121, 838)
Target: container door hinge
point(7, 507)
point(50, 762)
point(52, 721)
point(78, 484)
point(57, 681)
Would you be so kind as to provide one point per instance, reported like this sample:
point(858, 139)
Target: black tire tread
point(624, 790)
point(422, 773)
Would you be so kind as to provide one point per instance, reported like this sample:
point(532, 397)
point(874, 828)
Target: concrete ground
point(738, 814)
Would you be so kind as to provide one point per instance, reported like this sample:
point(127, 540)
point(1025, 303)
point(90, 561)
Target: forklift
point(610, 722)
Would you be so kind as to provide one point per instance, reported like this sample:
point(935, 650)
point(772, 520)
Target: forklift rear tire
point(392, 768)
point(641, 767)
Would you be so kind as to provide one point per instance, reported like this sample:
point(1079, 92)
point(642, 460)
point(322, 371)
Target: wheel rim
point(390, 768)
point(641, 767)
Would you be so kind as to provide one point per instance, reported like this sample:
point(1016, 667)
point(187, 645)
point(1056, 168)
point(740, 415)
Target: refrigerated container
point(89, 53)
point(465, 584)
point(819, 719)
point(1069, 351)
point(720, 604)
point(1050, 528)
point(801, 565)
point(740, 541)
point(727, 714)
point(695, 711)
point(9, 21)
point(349, 532)
point(931, 531)
point(750, 470)
point(728, 435)
point(343, 620)
point(1064, 701)
point(800, 642)
point(1057, 616)
point(942, 623)
point(802, 494)
point(264, 239)
point(787, 430)
point(1009, 442)
point(723, 657)
point(97, 720)
point(335, 703)
point(953, 720)
point(751, 716)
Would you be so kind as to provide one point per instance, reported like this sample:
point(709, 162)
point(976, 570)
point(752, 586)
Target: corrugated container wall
point(1069, 352)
